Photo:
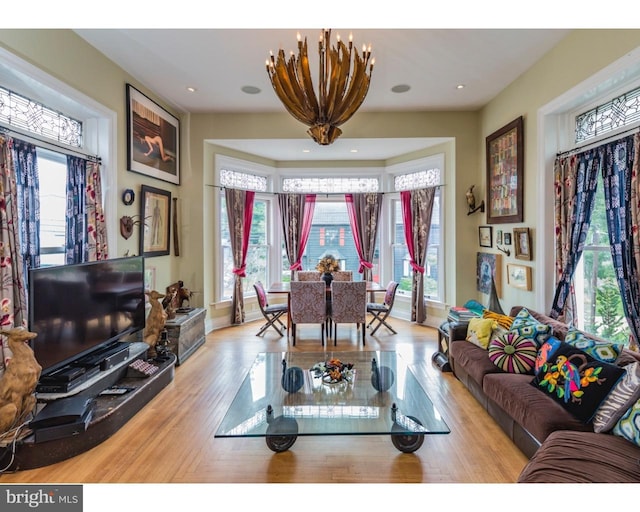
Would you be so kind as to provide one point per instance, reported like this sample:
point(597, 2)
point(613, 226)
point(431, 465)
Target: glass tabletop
point(289, 394)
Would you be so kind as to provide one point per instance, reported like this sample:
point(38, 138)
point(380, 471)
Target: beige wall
point(67, 57)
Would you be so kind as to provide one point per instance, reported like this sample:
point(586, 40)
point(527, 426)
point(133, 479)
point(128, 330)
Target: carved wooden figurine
point(155, 321)
point(18, 383)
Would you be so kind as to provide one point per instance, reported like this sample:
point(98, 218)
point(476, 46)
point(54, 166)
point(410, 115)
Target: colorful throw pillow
point(607, 351)
point(628, 426)
point(527, 326)
point(513, 353)
point(623, 396)
point(479, 330)
point(545, 351)
point(577, 381)
point(502, 320)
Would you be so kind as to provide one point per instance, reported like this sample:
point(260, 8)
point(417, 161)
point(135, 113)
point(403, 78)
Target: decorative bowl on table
point(334, 371)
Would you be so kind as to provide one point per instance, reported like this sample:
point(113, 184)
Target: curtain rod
point(327, 194)
point(600, 142)
point(49, 145)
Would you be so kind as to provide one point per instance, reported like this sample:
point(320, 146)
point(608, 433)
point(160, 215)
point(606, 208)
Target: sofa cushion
point(621, 398)
point(545, 352)
point(473, 359)
point(479, 331)
point(577, 381)
point(525, 325)
point(559, 329)
point(607, 351)
point(503, 321)
point(583, 457)
point(513, 353)
point(628, 426)
point(534, 411)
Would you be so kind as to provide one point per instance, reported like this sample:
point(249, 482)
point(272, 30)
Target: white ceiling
point(219, 62)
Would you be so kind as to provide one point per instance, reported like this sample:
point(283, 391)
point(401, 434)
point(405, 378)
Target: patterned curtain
point(296, 216)
point(13, 299)
point(76, 242)
point(27, 182)
point(417, 208)
point(576, 179)
point(239, 213)
point(97, 247)
point(364, 212)
point(620, 179)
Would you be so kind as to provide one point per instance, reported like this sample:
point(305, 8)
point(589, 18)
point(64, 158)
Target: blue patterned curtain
point(617, 173)
point(76, 241)
point(575, 184)
point(28, 196)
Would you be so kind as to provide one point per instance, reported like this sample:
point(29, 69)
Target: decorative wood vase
point(327, 277)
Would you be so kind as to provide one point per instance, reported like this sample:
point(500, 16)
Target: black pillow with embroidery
point(576, 380)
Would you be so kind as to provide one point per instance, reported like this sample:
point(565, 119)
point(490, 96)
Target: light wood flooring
point(171, 440)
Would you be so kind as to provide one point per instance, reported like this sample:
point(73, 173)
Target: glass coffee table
point(289, 394)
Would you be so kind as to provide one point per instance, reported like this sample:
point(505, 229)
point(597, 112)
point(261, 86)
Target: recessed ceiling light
point(191, 89)
point(354, 150)
point(306, 151)
point(460, 86)
point(400, 88)
point(250, 89)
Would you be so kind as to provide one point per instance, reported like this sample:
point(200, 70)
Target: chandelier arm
point(284, 90)
point(358, 88)
point(339, 78)
point(306, 83)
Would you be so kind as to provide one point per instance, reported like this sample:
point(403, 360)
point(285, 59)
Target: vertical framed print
point(522, 243)
point(485, 235)
point(153, 138)
point(505, 182)
point(155, 212)
point(488, 269)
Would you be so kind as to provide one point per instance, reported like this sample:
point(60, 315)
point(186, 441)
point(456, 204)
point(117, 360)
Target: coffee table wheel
point(407, 443)
point(281, 433)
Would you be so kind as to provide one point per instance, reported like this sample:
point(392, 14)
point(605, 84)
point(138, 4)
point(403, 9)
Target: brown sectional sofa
point(560, 447)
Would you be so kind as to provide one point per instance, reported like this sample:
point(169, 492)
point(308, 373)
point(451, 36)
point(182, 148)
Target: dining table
point(284, 287)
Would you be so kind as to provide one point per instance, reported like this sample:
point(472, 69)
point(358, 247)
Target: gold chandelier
point(341, 89)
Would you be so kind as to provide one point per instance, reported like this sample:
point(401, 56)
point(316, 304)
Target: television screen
point(76, 309)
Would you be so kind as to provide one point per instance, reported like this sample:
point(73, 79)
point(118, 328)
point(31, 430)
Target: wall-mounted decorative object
point(485, 236)
point(488, 269)
point(499, 237)
point(505, 184)
point(176, 240)
point(502, 249)
point(126, 226)
point(128, 197)
point(155, 210)
point(519, 276)
point(153, 138)
point(522, 243)
point(471, 202)
point(507, 239)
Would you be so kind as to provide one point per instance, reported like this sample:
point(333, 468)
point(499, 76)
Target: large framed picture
point(488, 269)
point(519, 276)
point(522, 243)
point(153, 138)
point(505, 183)
point(155, 212)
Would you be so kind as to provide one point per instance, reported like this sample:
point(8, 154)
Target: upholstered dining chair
point(381, 311)
point(271, 312)
point(308, 306)
point(343, 275)
point(308, 275)
point(348, 305)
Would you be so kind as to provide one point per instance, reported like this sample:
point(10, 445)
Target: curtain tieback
point(417, 267)
point(296, 266)
point(364, 264)
point(240, 272)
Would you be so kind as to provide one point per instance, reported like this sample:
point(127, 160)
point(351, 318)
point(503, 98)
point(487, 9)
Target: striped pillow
point(503, 320)
point(513, 353)
point(621, 398)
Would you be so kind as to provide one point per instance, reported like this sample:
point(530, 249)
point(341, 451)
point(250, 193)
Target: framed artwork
point(485, 236)
point(155, 212)
point(488, 268)
point(499, 237)
point(507, 239)
point(522, 243)
point(149, 278)
point(505, 184)
point(519, 276)
point(153, 138)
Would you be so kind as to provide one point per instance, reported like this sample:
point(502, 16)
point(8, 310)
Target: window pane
point(52, 172)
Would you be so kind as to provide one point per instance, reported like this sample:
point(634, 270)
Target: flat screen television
point(81, 308)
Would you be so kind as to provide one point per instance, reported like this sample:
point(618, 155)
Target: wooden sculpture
point(155, 322)
point(18, 383)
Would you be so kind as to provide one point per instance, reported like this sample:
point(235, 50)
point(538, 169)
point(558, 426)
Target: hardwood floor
point(171, 440)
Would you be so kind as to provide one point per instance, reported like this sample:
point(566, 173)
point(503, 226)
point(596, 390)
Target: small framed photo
point(522, 243)
point(507, 239)
point(499, 237)
point(153, 138)
point(155, 213)
point(519, 276)
point(485, 236)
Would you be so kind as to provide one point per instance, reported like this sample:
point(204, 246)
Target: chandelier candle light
point(341, 88)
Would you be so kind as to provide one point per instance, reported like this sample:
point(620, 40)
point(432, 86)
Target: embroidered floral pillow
point(577, 381)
